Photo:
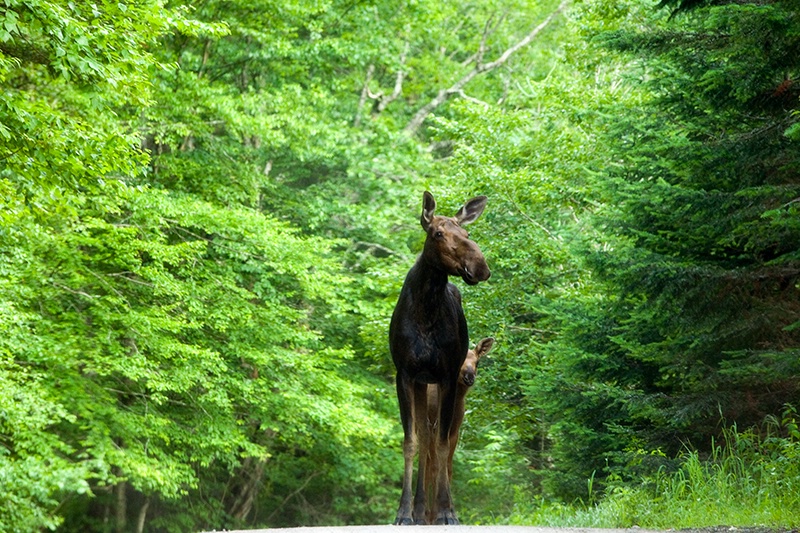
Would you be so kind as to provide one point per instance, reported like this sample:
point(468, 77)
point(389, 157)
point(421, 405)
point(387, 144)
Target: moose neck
point(461, 392)
point(428, 276)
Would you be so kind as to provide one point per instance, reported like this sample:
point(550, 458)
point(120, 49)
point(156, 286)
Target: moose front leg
point(404, 398)
point(424, 436)
point(443, 511)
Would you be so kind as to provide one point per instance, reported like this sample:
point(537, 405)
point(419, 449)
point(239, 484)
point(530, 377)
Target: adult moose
point(429, 340)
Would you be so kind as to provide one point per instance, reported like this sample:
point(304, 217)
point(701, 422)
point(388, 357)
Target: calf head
point(469, 370)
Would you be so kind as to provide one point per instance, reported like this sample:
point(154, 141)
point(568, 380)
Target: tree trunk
point(247, 496)
point(122, 508)
point(142, 515)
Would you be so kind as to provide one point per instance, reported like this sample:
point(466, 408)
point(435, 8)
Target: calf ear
point(471, 210)
point(428, 209)
point(483, 346)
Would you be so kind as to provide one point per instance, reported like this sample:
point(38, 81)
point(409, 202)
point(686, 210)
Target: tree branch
point(25, 51)
point(398, 84)
point(527, 39)
point(480, 68)
point(293, 494)
point(364, 94)
point(382, 102)
point(472, 99)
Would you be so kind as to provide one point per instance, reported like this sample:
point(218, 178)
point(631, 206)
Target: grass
point(751, 478)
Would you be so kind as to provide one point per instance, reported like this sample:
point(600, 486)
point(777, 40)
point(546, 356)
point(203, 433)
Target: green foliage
point(158, 338)
point(695, 280)
point(168, 314)
point(757, 466)
point(208, 210)
point(33, 466)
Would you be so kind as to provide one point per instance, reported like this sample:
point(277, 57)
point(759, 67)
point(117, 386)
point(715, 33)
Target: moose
point(429, 340)
point(466, 379)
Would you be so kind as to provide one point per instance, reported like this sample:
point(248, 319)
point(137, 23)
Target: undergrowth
point(751, 478)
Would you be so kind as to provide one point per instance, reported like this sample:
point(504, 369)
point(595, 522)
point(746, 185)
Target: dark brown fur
point(429, 340)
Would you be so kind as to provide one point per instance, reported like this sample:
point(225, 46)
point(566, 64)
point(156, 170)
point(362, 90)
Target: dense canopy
point(207, 211)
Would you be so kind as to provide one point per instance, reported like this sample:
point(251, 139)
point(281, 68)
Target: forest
point(207, 210)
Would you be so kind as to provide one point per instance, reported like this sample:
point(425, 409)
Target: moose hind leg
point(445, 514)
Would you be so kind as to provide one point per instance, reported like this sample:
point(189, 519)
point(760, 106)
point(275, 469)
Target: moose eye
point(438, 234)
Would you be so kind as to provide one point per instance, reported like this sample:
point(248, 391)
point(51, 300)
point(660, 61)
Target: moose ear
point(483, 346)
point(428, 208)
point(471, 210)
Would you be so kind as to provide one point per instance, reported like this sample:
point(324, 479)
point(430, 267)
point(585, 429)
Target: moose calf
point(466, 378)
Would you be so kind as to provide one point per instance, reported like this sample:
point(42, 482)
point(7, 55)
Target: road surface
point(441, 529)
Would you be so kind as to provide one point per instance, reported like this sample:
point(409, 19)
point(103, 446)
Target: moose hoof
point(448, 519)
point(403, 521)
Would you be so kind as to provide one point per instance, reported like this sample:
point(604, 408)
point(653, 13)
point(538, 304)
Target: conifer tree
point(700, 326)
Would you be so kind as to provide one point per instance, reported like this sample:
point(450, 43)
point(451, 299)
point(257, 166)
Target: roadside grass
point(751, 478)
